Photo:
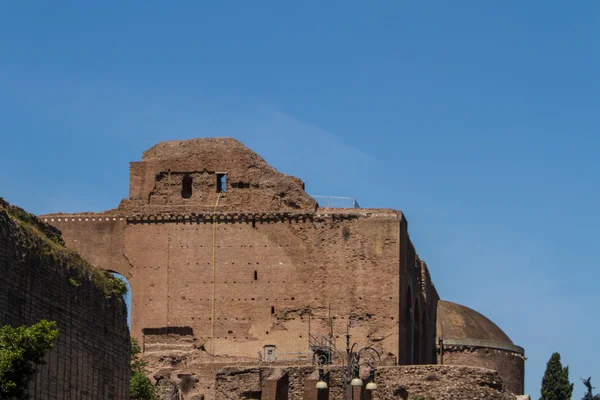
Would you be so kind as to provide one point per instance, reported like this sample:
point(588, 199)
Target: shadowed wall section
point(37, 281)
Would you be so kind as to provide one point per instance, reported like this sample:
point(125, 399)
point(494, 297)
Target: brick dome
point(468, 338)
point(455, 321)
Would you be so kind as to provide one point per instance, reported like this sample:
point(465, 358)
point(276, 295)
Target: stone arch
point(127, 296)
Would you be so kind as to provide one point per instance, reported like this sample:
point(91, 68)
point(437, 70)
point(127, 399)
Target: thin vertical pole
point(309, 337)
point(349, 362)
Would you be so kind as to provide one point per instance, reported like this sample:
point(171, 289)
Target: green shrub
point(141, 388)
point(24, 215)
point(22, 349)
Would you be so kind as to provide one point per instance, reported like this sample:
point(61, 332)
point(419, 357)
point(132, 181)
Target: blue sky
point(478, 119)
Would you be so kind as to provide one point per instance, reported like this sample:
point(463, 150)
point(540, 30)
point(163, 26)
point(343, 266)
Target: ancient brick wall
point(98, 237)
point(270, 274)
point(431, 382)
point(273, 273)
point(41, 280)
point(510, 365)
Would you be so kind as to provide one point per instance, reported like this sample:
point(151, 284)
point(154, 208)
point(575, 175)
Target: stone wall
point(275, 274)
point(269, 276)
point(272, 271)
point(509, 364)
point(40, 279)
point(394, 383)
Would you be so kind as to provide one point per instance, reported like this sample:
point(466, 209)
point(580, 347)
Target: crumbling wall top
point(223, 149)
point(211, 174)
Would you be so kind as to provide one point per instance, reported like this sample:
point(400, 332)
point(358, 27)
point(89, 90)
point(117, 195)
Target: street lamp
point(355, 358)
point(321, 384)
point(371, 385)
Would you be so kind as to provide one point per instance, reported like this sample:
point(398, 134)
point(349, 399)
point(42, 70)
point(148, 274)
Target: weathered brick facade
point(226, 255)
point(41, 280)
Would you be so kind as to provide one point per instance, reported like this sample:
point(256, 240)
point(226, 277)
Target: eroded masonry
point(232, 262)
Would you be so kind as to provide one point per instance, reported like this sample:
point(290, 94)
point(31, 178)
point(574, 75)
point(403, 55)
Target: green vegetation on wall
point(49, 242)
point(22, 349)
point(141, 387)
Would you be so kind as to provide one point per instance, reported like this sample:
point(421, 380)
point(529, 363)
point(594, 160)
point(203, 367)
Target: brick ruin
point(41, 279)
point(438, 382)
point(231, 262)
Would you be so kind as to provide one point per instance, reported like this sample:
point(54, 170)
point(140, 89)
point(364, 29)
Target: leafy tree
point(22, 350)
point(141, 387)
point(555, 384)
point(588, 384)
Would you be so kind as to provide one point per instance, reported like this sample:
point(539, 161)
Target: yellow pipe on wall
point(212, 312)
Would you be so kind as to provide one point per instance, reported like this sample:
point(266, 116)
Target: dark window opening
point(186, 187)
point(255, 275)
point(272, 309)
point(221, 183)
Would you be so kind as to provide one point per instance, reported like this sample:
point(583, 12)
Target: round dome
point(455, 321)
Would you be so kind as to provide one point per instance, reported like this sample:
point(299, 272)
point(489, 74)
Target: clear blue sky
point(478, 119)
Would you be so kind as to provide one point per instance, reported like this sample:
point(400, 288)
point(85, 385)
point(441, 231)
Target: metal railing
point(336, 202)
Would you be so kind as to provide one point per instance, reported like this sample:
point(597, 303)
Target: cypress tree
point(556, 385)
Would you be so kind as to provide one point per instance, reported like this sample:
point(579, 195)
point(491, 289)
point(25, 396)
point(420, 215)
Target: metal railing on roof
point(336, 202)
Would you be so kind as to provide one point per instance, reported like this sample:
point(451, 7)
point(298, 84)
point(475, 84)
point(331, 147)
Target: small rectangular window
point(187, 185)
point(255, 275)
point(272, 309)
point(221, 183)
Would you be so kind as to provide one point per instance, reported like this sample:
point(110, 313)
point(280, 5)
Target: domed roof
point(455, 321)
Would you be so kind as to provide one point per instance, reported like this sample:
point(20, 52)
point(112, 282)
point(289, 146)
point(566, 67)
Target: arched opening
point(408, 321)
point(186, 186)
point(126, 296)
point(417, 334)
